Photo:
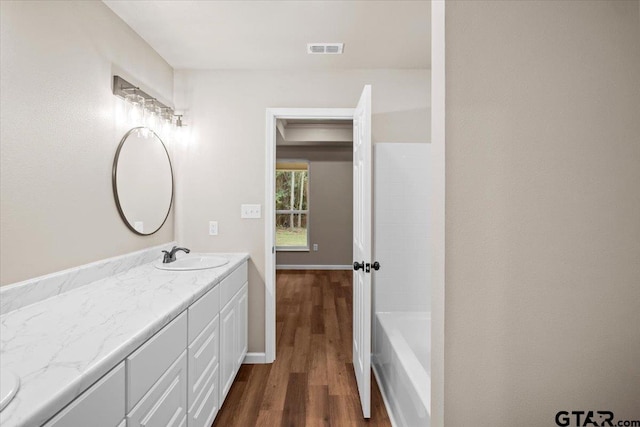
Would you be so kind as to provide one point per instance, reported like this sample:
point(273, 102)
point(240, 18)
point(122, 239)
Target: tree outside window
point(292, 205)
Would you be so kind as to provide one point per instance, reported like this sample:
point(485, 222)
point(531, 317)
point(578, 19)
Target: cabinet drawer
point(102, 405)
point(232, 284)
point(206, 404)
point(203, 359)
point(202, 312)
point(165, 405)
point(154, 357)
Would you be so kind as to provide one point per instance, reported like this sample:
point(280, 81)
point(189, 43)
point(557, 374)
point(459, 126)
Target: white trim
point(438, 90)
point(312, 113)
point(312, 267)
point(270, 240)
point(254, 359)
point(272, 114)
point(387, 404)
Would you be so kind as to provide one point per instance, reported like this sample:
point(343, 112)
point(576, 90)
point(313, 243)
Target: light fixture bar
point(122, 88)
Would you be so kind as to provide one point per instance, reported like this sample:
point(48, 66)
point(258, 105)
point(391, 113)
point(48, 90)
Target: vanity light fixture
point(144, 107)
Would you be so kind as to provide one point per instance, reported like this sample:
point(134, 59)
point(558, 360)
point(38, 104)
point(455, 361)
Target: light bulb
point(135, 110)
point(167, 127)
point(152, 119)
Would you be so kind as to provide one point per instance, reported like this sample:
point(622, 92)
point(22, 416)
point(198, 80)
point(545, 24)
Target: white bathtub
point(401, 362)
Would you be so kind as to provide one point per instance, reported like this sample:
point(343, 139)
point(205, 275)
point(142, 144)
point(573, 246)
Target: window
point(292, 205)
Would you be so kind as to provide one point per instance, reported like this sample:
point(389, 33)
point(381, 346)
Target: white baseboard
point(255, 359)
point(387, 404)
point(312, 267)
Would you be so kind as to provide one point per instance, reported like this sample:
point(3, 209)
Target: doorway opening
point(274, 117)
point(313, 194)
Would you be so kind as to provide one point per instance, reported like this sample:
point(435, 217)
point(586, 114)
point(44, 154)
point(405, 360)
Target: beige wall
point(542, 211)
point(331, 206)
point(223, 166)
point(59, 134)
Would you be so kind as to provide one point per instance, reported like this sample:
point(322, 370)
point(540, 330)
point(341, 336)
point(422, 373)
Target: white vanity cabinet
point(180, 376)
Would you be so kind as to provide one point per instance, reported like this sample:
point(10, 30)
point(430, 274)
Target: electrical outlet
point(213, 228)
point(315, 247)
point(250, 211)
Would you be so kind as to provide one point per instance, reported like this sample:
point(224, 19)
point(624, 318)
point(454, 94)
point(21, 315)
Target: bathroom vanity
point(144, 347)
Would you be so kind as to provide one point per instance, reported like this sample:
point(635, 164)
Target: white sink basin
point(196, 262)
point(9, 385)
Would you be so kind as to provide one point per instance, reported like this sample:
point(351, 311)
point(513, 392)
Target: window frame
point(306, 212)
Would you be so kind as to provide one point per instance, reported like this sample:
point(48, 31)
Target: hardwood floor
point(311, 383)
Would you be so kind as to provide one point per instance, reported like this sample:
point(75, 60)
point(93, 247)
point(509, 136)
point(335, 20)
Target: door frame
point(272, 115)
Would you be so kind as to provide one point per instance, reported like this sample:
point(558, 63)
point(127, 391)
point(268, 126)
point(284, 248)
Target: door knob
point(358, 265)
point(376, 266)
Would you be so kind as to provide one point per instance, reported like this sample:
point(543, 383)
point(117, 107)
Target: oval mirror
point(142, 181)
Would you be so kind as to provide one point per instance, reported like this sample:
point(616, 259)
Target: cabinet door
point(241, 331)
point(165, 405)
point(228, 361)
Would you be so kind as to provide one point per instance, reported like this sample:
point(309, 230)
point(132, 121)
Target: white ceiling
point(274, 34)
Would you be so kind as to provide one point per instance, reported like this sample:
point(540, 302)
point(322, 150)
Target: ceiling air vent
point(325, 48)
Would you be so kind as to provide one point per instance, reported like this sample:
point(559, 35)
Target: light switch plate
point(213, 228)
point(315, 247)
point(250, 211)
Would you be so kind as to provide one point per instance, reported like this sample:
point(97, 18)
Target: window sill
point(291, 249)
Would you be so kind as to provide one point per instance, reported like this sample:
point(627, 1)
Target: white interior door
point(362, 248)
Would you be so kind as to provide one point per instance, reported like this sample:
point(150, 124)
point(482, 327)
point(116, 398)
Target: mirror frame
point(114, 183)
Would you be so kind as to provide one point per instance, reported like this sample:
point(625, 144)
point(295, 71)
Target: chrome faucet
point(170, 256)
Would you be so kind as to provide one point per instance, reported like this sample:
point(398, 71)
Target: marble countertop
point(62, 345)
